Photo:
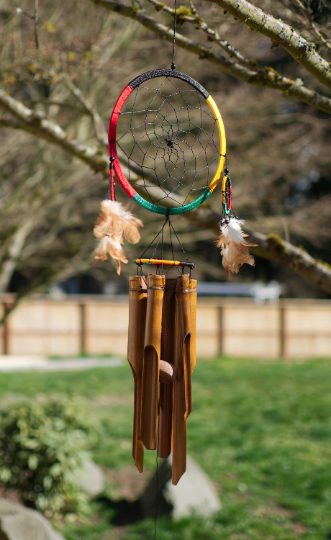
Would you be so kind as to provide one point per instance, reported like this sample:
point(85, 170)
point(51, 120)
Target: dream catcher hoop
point(167, 148)
point(169, 140)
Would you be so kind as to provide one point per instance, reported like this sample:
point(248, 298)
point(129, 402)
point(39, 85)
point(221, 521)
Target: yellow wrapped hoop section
point(221, 132)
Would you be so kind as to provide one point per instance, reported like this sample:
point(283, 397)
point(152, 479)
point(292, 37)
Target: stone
point(194, 493)
point(90, 478)
point(20, 523)
point(10, 363)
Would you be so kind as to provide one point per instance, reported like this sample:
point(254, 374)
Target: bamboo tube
point(187, 327)
point(193, 302)
point(137, 316)
point(151, 367)
point(167, 354)
point(179, 420)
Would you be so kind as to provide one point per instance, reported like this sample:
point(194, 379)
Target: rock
point(12, 362)
point(193, 493)
point(20, 523)
point(90, 478)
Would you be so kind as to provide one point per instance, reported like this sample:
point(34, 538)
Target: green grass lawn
point(261, 431)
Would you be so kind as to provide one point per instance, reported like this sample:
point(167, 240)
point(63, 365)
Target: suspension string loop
point(157, 241)
point(173, 65)
point(155, 238)
point(179, 242)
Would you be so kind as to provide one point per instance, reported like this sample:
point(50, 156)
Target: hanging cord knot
point(173, 65)
point(111, 190)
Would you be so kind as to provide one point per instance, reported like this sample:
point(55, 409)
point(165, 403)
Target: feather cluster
point(234, 247)
point(114, 223)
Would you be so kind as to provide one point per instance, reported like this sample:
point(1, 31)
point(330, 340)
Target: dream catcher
point(168, 150)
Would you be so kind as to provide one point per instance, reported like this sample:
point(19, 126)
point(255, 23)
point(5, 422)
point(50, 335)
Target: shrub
point(42, 444)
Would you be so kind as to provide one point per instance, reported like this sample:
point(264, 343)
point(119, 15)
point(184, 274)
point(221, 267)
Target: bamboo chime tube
point(193, 303)
point(167, 355)
point(151, 367)
point(179, 420)
point(137, 317)
point(187, 335)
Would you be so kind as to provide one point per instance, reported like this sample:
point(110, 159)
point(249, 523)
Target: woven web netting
point(169, 138)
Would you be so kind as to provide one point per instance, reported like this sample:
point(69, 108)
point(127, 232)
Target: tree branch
point(89, 109)
point(282, 34)
point(14, 251)
point(266, 78)
point(38, 125)
point(270, 247)
point(35, 22)
point(213, 35)
point(273, 248)
point(50, 275)
point(306, 13)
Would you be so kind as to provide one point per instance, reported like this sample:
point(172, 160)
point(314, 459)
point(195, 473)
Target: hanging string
point(159, 239)
point(157, 482)
point(173, 65)
point(179, 242)
point(171, 244)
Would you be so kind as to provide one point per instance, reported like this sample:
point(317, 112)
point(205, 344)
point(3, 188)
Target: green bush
point(42, 444)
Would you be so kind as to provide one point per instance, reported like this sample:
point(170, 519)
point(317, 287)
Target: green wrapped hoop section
point(225, 209)
point(178, 210)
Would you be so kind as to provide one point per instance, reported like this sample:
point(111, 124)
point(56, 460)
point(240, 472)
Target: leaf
point(5, 474)
point(33, 462)
point(55, 470)
point(47, 482)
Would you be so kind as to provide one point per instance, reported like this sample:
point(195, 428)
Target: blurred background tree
point(63, 66)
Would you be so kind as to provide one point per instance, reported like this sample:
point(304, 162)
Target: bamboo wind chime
point(162, 356)
point(167, 132)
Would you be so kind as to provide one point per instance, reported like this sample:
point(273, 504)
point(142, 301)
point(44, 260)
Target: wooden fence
point(98, 325)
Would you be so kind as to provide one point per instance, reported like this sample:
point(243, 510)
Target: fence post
point(5, 331)
point(82, 329)
point(221, 330)
point(282, 336)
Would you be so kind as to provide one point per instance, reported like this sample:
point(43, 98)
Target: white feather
point(234, 247)
point(232, 231)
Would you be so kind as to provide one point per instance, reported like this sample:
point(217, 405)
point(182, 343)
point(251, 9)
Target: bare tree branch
point(36, 21)
point(213, 35)
point(313, 26)
point(14, 251)
point(273, 248)
point(38, 125)
point(270, 247)
point(282, 34)
point(266, 78)
point(45, 279)
point(89, 109)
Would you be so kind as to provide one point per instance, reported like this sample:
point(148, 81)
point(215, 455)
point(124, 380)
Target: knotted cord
point(173, 66)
